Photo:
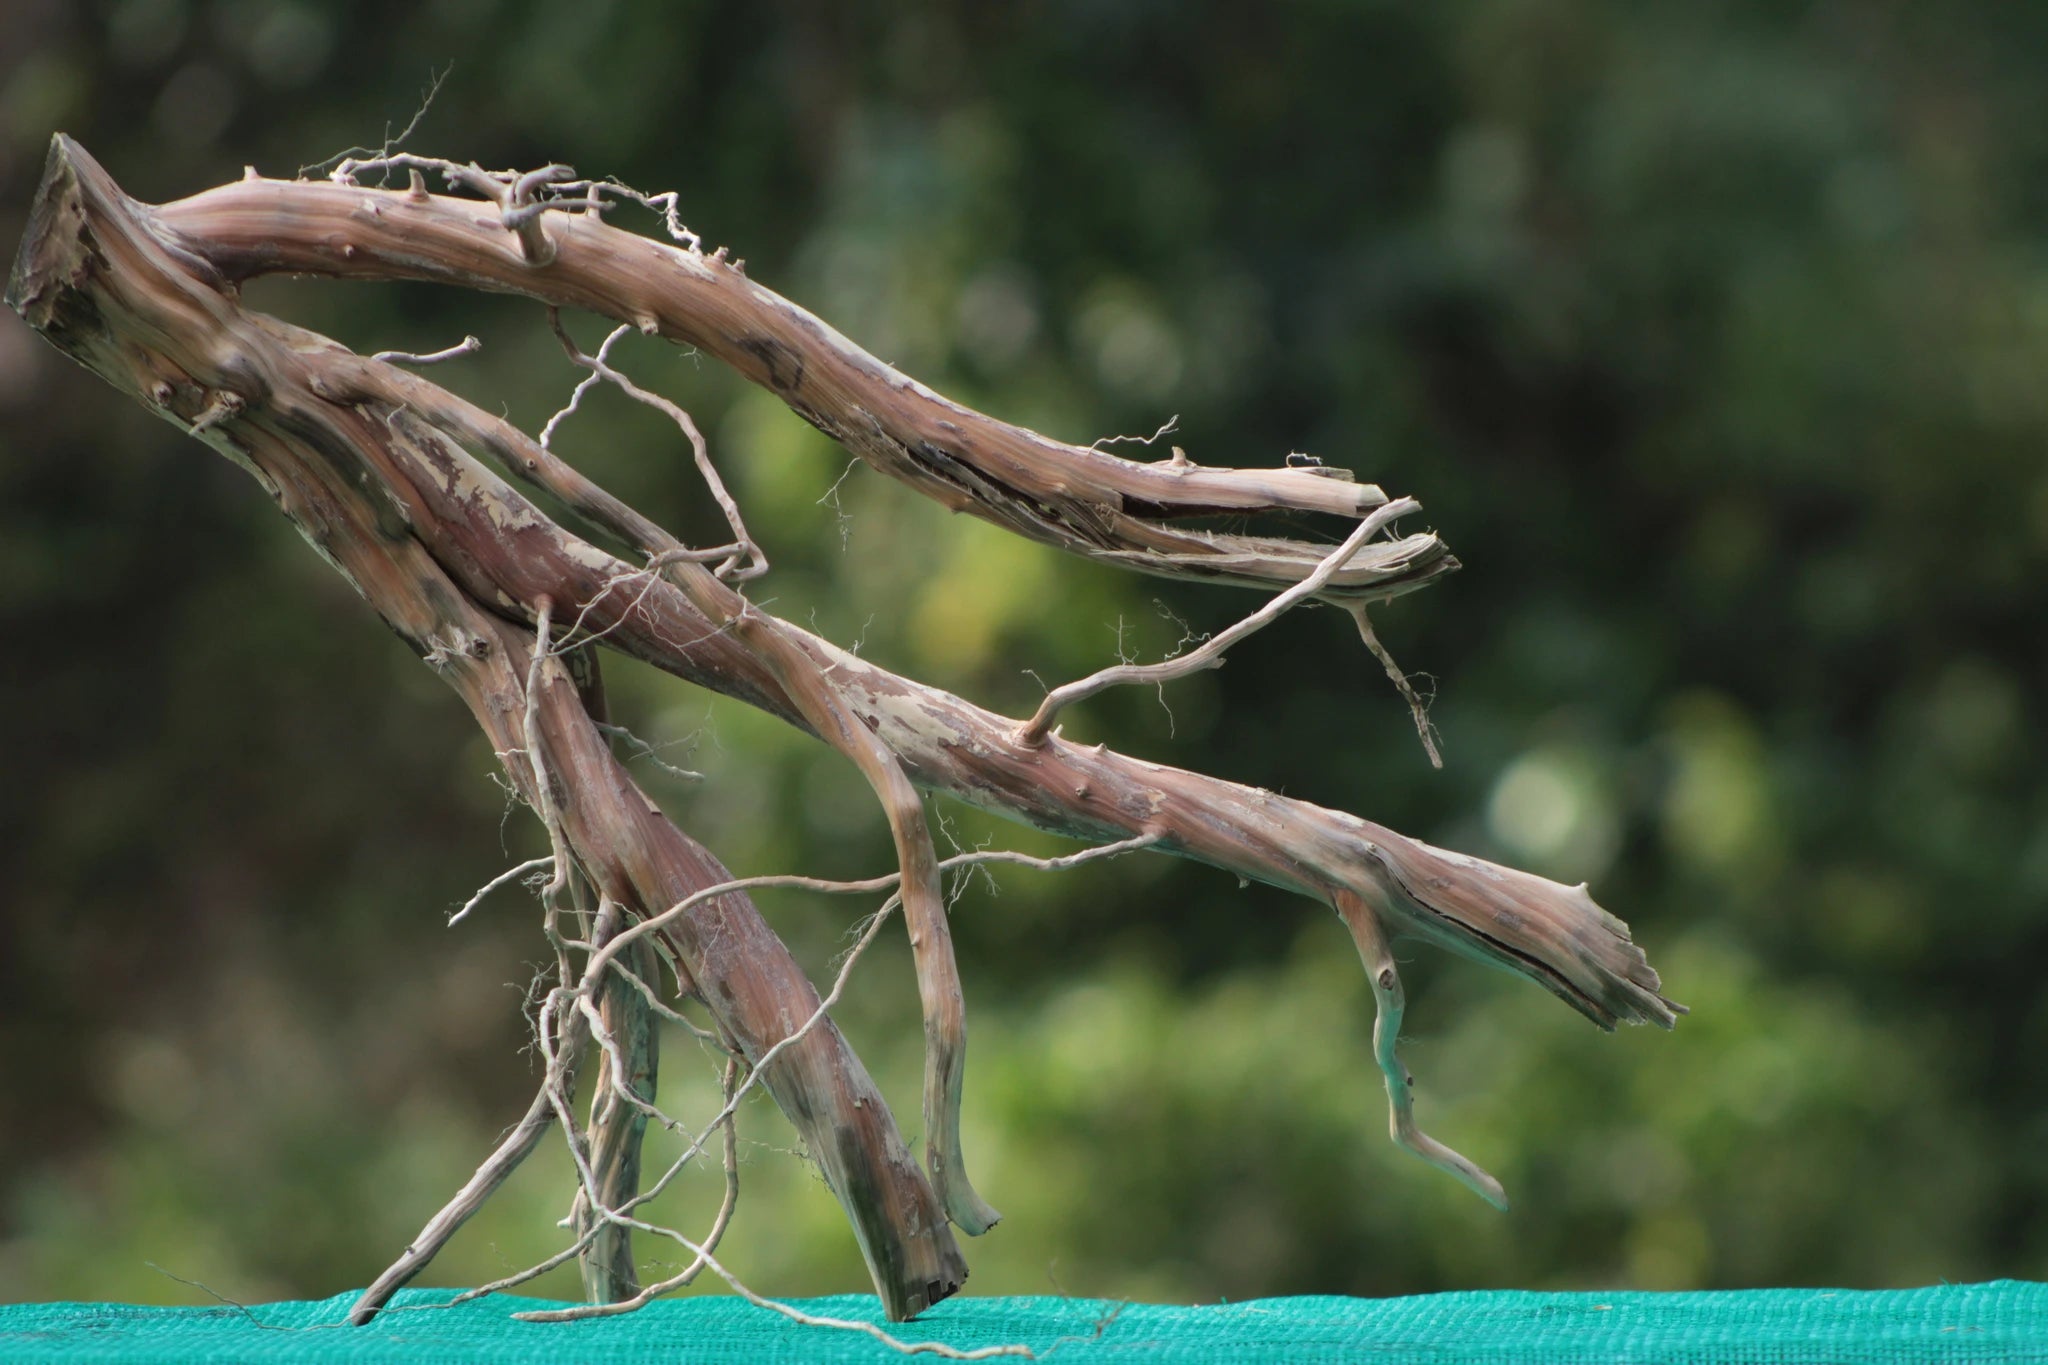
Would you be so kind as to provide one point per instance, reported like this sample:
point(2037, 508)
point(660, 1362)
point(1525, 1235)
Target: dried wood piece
point(96, 278)
point(380, 471)
point(1087, 501)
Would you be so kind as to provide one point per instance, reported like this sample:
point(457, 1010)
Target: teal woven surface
point(2003, 1321)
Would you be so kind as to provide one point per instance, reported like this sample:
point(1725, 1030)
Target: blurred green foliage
point(1711, 337)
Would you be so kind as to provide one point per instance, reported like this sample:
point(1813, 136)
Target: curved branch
point(599, 366)
point(1209, 654)
point(1087, 501)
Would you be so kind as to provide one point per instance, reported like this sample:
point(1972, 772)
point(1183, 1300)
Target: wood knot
point(226, 403)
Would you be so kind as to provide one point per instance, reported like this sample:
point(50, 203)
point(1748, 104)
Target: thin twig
point(648, 577)
point(583, 386)
point(642, 749)
point(557, 1102)
point(760, 1064)
point(795, 881)
point(1166, 428)
point(495, 1169)
point(797, 1315)
point(391, 143)
point(220, 1298)
point(752, 563)
point(674, 1016)
point(723, 1219)
point(469, 345)
point(605, 960)
point(510, 874)
point(621, 1104)
point(702, 1251)
point(601, 959)
point(1417, 708)
point(1210, 653)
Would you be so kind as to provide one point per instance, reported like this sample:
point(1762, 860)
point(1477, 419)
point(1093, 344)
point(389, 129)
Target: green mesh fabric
point(2003, 1321)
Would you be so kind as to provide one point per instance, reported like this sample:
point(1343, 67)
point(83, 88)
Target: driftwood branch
point(1086, 501)
point(397, 483)
point(96, 278)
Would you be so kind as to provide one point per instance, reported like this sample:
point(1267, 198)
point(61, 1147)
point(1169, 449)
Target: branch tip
point(1390, 1004)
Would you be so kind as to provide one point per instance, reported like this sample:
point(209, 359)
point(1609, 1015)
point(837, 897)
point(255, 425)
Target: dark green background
point(1713, 338)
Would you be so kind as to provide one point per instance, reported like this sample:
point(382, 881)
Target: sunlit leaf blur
point(1714, 339)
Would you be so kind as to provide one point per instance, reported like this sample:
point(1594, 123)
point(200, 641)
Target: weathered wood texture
point(1513, 919)
point(96, 277)
point(390, 478)
point(1080, 499)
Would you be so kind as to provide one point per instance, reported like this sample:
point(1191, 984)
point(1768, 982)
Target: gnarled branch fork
point(391, 478)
